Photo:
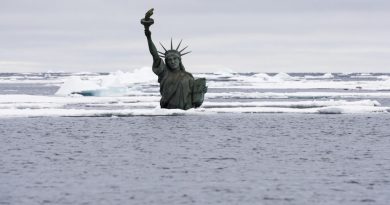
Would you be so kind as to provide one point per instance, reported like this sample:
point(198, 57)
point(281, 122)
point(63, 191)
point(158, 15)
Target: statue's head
point(173, 60)
point(173, 57)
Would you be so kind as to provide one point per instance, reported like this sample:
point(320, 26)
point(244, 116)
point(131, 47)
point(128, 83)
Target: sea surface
point(259, 138)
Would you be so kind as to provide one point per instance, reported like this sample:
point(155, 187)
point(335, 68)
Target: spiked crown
point(172, 51)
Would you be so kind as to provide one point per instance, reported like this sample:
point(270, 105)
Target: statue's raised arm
point(147, 22)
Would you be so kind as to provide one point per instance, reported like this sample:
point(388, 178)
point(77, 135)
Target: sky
point(223, 35)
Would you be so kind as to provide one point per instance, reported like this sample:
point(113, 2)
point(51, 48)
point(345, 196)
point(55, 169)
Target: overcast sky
point(243, 36)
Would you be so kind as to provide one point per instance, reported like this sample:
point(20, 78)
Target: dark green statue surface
point(178, 88)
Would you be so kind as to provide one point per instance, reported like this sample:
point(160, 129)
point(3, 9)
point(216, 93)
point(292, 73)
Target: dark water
point(27, 89)
point(213, 159)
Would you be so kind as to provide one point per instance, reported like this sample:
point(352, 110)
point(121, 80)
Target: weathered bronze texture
point(178, 88)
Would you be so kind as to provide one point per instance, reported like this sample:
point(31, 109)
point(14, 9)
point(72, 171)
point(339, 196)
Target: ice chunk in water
point(114, 84)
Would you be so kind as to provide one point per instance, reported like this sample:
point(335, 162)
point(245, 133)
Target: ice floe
point(296, 95)
point(33, 106)
point(122, 83)
point(202, 111)
point(137, 93)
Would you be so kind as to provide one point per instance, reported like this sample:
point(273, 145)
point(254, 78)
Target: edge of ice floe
point(175, 112)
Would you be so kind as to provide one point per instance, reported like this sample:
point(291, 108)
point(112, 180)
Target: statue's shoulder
point(188, 74)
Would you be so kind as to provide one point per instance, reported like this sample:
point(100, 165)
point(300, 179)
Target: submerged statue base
point(178, 88)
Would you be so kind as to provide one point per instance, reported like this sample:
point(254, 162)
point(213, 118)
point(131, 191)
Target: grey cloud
point(298, 35)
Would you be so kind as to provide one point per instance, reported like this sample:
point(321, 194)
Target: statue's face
point(173, 62)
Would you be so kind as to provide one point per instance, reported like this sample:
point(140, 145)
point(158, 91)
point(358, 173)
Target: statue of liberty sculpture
point(178, 88)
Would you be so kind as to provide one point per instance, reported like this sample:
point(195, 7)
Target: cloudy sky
point(243, 36)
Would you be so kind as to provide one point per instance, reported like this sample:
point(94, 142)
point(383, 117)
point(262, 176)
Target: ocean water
point(258, 139)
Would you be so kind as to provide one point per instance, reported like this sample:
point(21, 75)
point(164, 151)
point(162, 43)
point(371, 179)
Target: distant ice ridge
point(263, 77)
point(286, 81)
point(134, 83)
point(279, 77)
point(28, 105)
point(325, 76)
